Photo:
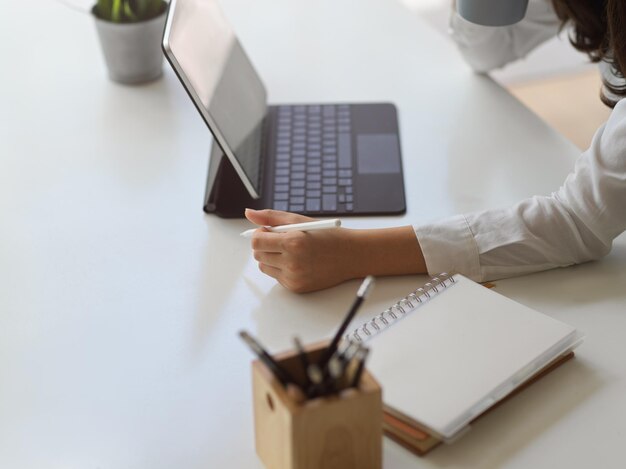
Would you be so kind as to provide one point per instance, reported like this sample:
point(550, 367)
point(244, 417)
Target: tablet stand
point(225, 194)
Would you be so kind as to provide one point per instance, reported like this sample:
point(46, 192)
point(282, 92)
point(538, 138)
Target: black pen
point(360, 296)
point(361, 356)
point(304, 360)
point(282, 375)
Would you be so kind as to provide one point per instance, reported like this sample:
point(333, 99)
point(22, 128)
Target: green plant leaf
point(116, 11)
point(103, 9)
point(128, 12)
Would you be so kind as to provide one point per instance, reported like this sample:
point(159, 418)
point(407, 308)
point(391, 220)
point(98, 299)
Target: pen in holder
point(338, 431)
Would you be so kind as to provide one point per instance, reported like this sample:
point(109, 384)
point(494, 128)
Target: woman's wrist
point(387, 251)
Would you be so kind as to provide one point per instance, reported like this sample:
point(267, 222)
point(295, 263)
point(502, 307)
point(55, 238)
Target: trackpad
point(377, 153)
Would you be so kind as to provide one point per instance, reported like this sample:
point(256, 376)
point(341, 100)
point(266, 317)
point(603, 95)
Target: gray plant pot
point(132, 51)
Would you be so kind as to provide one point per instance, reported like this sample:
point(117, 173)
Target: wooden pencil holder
point(342, 431)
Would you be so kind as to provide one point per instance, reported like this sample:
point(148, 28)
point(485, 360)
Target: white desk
point(120, 300)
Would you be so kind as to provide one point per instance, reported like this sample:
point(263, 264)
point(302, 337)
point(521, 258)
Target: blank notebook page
point(449, 354)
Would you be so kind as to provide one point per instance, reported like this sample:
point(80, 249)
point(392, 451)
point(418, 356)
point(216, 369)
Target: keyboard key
point(345, 151)
point(313, 194)
point(281, 196)
point(349, 198)
point(282, 172)
point(313, 185)
point(329, 165)
point(284, 141)
point(298, 153)
point(281, 205)
point(296, 208)
point(329, 173)
point(345, 182)
point(296, 200)
point(297, 183)
point(329, 182)
point(314, 177)
point(343, 129)
point(299, 138)
point(342, 198)
point(314, 162)
point(329, 202)
point(313, 154)
point(331, 150)
point(297, 167)
point(283, 156)
point(297, 175)
point(314, 147)
point(314, 108)
point(298, 160)
point(297, 192)
point(314, 169)
point(281, 188)
point(282, 164)
point(313, 205)
point(329, 190)
point(332, 158)
point(298, 145)
point(344, 120)
point(281, 180)
point(349, 207)
point(345, 173)
point(282, 149)
point(348, 190)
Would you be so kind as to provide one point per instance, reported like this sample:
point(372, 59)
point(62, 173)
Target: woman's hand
point(309, 261)
point(301, 261)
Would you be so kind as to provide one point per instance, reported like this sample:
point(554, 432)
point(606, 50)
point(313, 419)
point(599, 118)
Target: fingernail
point(250, 210)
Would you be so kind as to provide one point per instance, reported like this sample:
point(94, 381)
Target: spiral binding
point(398, 310)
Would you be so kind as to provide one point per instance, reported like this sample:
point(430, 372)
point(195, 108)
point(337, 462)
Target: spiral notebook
point(451, 350)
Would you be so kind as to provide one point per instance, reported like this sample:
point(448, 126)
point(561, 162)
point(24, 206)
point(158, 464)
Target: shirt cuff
point(448, 246)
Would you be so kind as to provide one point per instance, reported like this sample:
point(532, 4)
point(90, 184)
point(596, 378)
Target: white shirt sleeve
point(574, 225)
point(486, 48)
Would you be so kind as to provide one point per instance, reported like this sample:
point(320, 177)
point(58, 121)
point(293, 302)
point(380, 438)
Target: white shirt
point(573, 225)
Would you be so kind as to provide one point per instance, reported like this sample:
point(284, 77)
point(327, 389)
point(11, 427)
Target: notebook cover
point(414, 437)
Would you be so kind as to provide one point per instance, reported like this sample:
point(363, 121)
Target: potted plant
point(130, 34)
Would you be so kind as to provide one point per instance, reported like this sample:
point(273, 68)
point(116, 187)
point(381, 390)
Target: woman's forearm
point(388, 251)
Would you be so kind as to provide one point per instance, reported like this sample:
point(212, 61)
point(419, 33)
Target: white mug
point(492, 12)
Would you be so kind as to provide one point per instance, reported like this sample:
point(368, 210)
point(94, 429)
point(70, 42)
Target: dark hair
point(599, 31)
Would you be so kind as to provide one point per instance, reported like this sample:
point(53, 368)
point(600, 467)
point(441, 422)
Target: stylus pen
point(281, 374)
point(308, 226)
point(360, 297)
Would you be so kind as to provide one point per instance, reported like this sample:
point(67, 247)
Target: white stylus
point(308, 226)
